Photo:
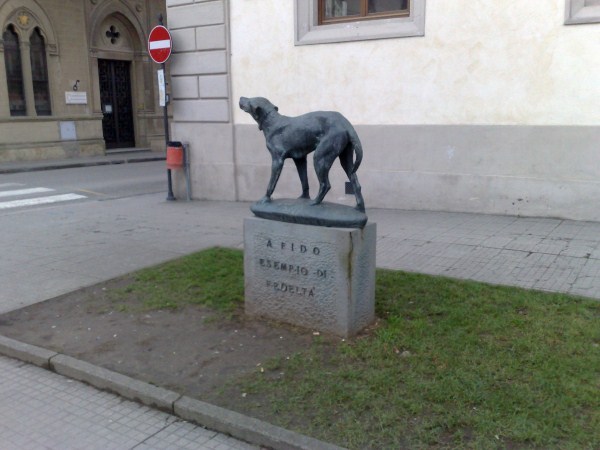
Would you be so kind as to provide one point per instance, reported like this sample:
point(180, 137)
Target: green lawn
point(213, 277)
point(451, 364)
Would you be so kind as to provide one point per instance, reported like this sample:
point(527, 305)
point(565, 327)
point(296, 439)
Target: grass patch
point(214, 277)
point(451, 364)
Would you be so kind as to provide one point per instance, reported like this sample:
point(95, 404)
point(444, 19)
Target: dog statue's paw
point(265, 199)
point(305, 196)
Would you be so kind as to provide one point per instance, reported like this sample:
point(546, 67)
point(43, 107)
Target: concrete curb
point(204, 414)
point(75, 164)
point(24, 352)
point(108, 380)
point(246, 428)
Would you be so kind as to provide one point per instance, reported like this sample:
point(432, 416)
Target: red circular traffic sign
point(159, 44)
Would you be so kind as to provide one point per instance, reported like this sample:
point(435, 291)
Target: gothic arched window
point(14, 72)
point(39, 72)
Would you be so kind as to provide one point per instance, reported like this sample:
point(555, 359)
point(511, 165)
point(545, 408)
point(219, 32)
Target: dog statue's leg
point(301, 167)
point(276, 166)
point(360, 202)
point(347, 165)
point(323, 159)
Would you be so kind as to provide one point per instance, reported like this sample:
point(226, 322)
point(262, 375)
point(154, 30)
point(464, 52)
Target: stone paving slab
point(544, 254)
point(46, 411)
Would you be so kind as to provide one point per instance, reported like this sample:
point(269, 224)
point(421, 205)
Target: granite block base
point(321, 278)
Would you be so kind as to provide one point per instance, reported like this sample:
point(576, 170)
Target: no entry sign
point(159, 44)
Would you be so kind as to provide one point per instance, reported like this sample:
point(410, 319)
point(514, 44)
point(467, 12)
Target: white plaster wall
point(495, 110)
point(495, 62)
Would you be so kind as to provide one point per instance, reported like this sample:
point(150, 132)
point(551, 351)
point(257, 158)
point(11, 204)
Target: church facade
point(76, 79)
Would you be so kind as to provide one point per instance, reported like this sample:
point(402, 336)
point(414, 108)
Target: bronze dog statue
point(327, 133)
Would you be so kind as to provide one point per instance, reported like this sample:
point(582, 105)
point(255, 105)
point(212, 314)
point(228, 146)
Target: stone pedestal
point(316, 277)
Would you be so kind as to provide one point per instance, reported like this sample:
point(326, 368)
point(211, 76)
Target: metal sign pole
point(170, 196)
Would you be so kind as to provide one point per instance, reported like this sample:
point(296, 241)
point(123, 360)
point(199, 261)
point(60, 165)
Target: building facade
point(76, 79)
point(489, 107)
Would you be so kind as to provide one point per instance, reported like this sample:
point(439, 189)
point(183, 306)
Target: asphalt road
point(22, 190)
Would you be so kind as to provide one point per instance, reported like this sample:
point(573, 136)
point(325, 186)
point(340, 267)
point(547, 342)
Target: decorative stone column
point(25, 48)
point(4, 105)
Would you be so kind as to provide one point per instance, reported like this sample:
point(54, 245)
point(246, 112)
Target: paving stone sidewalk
point(538, 253)
point(42, 410)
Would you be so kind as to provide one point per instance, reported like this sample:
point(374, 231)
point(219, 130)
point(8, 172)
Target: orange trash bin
point(175, 155)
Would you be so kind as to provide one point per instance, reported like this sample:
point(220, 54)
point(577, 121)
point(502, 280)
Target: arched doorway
point(115, 44)
point(115, 97)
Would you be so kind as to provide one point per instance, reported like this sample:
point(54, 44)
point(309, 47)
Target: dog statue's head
point(258, 107)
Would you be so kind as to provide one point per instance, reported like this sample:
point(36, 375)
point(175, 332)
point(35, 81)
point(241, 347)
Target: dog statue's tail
point(357, 146)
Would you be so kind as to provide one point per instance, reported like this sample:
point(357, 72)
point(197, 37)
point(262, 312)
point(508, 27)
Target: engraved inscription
point(294, 247)
point(291, 267)
point(285, 267)
point(291, 289)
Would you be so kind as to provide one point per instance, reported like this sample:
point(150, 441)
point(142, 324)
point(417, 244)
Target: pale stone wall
point(33, 137)
point(201, 95)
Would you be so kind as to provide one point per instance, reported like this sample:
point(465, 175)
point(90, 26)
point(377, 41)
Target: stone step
point(118, 151)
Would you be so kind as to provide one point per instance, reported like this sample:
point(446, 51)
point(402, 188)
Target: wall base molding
point(547, 171)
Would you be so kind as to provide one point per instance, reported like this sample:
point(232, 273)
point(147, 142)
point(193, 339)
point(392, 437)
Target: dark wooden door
point(115, 95)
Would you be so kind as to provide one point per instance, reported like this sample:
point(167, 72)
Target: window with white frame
point(324, 21)
point(582, 11)
point(335, 11)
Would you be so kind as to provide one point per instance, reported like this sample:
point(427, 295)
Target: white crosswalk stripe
point(32, 201)
point(17, 192)
point(40, 200)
